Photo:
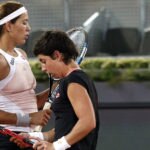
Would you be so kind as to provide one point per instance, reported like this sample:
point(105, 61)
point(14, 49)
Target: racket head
point(80, 38)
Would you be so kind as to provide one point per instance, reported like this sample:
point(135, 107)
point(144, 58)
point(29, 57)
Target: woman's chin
point(55, 77)
point(21, 43)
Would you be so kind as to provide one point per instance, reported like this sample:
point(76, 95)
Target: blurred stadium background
point(116, 28)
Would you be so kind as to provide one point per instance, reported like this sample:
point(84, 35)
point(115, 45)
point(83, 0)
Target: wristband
point(23, 120)
point(37, 134)
point(61, 144)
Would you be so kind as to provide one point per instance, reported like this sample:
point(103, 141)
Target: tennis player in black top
point(75, 104)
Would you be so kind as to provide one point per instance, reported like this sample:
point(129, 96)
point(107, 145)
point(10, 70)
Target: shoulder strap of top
point(17, 51)
point(20, 56)
point(7, 56)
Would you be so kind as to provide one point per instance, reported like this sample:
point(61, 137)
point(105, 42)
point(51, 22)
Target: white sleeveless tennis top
point(17, 89)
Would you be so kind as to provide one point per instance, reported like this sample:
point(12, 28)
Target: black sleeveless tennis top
point(65, 118)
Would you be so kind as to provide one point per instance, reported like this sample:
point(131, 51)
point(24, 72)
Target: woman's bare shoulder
point(4, 67)
point(3, 61)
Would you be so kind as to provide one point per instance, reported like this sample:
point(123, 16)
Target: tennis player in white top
point(18, 102)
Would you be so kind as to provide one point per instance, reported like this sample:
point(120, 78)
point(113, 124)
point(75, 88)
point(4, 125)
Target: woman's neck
point(73, 66)
point(6, 44)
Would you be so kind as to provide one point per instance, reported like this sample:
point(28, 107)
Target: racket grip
point(47, 105)
point(39, 128)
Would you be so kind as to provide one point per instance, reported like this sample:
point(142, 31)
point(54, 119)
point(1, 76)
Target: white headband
point(13, 15)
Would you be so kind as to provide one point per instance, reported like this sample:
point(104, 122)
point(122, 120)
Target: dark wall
point(124, 129)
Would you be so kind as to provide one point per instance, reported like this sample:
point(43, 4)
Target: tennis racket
point(9, 133)
point(79, 36)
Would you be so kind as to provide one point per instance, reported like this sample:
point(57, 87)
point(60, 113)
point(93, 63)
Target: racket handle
point(47, 105)
point(39, 128)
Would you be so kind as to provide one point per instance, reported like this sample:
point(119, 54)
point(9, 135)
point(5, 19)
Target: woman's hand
point(43, 145)
point(22, 140)
point(41, 117)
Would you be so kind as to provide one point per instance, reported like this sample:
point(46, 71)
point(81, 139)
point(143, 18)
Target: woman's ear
point(8, 27)
point(57, 55)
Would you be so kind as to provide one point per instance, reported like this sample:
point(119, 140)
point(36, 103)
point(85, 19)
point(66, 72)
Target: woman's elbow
point(92, 125)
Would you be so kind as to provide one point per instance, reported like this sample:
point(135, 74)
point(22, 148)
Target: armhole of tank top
point(5, 81)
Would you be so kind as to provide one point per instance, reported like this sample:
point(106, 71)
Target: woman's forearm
point(49, 136)
point(42, 97)
point(7, 118)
